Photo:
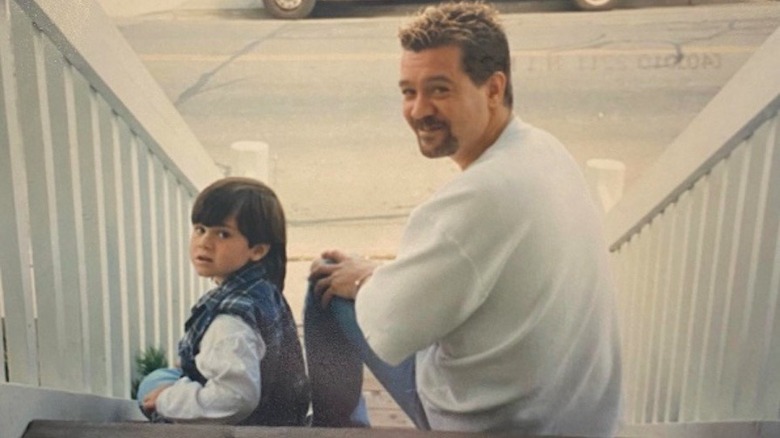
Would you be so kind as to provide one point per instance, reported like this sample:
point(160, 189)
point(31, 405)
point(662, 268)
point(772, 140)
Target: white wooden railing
point(696, 248)
point(97, 175)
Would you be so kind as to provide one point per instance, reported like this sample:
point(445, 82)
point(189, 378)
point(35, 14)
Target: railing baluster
point(169, 269)
point(768, 333)
point(18, 296)
point(679, 306)
point(138, 286)
point(124, 311)
point(758, 249)
point(76, 295)
point(642, 313)
point(152, 249)
point(665, 290)
point(706, 382)
point(652, 309)
point(733, 290)
point(181, 261)
point(695, 314)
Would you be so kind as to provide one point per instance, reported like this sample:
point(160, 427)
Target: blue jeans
point(335, 353)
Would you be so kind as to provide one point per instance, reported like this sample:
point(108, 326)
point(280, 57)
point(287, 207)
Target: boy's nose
point(203, 241)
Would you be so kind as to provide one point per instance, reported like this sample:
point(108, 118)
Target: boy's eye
point(199, 229)
point(223, 235)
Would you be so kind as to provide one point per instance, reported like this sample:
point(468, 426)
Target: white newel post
point(605, 178)
point(251, 159)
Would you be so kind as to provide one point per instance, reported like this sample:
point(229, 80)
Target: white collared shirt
point(229, 358)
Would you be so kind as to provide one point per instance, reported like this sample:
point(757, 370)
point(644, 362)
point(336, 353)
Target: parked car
point(294, 9)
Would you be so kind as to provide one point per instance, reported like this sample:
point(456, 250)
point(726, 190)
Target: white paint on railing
point(76, 357)
point(758, 283)
point(96, 181)
point(696, 250)
point(154, 243)
point(104, 290)
point(700, 286)
point(3, 374)
point(168, 268)
point(18, 289)
point(743, 104)
point(122, 375)
point(138, 324)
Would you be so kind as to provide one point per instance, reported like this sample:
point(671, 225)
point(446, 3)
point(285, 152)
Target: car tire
point(289, 9)
point(595, 5)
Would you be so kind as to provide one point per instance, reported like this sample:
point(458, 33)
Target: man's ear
point(259, 251)
point(496, 86)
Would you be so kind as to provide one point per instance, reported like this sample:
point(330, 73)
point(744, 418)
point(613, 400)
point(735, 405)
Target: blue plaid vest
point(248, 295)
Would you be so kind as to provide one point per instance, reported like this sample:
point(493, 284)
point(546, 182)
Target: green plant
point(146, 362)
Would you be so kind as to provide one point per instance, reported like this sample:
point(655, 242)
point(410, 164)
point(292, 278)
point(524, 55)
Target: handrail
point(751, 97)
point(95, 47)
point(696, 249)
point(98, 172)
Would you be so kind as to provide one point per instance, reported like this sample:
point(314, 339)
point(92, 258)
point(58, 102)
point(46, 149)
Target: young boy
point(241, 361)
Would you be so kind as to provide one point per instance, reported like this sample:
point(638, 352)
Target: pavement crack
point(204, 79)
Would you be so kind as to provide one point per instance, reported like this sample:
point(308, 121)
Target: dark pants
point(335, 353)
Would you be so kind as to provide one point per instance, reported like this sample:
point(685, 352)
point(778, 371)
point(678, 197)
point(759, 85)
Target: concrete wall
point(19, 405)
point(121, 8)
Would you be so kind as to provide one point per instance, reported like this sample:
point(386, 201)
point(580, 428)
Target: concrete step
point(79, 429)
point(76, 429)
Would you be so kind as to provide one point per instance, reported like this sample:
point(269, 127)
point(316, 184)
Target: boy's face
point(221, 250)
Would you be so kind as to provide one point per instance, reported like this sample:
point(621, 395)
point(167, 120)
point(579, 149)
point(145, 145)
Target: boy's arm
point(229, 358)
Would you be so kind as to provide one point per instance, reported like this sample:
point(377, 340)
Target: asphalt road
point(322, 94)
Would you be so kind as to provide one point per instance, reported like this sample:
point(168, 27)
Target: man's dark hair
point(259, 216)
point(473, 27)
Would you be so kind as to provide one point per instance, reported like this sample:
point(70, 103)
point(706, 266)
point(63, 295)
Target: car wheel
point(595, 5)
point(289, 9)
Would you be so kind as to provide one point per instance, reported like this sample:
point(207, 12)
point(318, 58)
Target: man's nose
point(421, 107)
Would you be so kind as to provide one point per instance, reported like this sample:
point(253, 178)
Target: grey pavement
point(370, 8)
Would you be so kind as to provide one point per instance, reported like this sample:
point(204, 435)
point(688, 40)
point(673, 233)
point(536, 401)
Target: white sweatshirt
point(501, 287)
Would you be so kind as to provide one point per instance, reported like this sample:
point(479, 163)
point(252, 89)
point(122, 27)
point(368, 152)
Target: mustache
point(430, 122)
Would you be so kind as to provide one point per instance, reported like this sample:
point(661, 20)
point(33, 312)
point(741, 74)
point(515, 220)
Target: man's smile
point(429, 124)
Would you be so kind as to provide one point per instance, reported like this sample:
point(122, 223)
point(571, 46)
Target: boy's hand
point(150, 401)
point(339, 275)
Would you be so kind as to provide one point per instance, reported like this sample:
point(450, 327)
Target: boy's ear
point(259, 251)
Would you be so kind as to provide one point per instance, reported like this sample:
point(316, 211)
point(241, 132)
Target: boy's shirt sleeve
point(230, 354)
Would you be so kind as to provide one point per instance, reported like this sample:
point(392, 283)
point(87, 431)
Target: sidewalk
point(122, 8)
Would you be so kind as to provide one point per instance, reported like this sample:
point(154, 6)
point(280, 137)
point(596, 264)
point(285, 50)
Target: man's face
point(447, 112)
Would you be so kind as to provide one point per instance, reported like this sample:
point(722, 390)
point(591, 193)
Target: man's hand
point(150, 401)
point(339, 275)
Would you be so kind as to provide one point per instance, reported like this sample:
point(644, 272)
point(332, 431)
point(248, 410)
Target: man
point(497, 313)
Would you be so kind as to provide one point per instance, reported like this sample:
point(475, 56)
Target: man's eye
point(408, 93)
point(437, 91)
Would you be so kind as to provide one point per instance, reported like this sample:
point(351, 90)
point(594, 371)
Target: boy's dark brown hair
point(474, 27)
point(259, 216)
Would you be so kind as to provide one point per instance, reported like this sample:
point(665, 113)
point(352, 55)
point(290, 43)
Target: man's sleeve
point(447, 263)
